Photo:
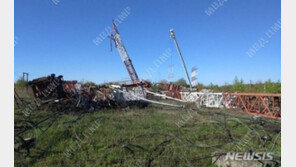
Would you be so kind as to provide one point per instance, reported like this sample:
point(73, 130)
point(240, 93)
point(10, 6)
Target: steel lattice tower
point(124, 56)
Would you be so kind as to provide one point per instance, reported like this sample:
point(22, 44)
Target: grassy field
point(153, 136)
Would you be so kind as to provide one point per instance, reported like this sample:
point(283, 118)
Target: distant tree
point(277, 87)
point(258, 87)
point(268, 86)
point(211, 85)
point(238, 85)
point(181, 82)
point(272, 87)
point(216, 88)
point(89, 83)
point(249, 87)
point(200, 86)
point(20, 84)
point(226, 87)
point(163, 81)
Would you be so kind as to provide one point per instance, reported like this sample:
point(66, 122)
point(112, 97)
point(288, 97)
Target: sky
point(222, 38)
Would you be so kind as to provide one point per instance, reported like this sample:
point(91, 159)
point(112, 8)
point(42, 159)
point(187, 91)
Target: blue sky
point(57, 37)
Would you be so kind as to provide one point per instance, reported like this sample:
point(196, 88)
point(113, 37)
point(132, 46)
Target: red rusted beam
point(263, 104)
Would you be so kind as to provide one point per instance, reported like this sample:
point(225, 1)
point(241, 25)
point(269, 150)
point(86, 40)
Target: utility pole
point(178, 49)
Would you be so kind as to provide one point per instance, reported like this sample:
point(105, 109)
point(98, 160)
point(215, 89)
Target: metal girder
point(262, 104)
point(207, 99)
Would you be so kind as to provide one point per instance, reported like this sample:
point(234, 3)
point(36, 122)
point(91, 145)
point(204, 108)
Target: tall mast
point(181, 57)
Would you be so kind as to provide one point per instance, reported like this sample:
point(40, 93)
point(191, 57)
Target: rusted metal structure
point(55, 89)
point(145, 84)
point(262, 104)
point(172, 90)
point(45, 88)
point(52, 88)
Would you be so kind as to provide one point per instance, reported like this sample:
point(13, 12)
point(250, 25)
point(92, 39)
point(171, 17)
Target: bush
point(89, 83)
point(238, 85)
point(181, 82)
point(20, 84)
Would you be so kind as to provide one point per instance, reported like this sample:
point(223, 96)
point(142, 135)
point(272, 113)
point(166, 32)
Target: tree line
point(239, 85)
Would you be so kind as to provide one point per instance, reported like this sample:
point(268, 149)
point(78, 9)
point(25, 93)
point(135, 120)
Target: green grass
point(137, 137)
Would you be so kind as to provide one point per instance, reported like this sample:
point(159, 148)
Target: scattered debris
point(26, 143)
point(54, 89)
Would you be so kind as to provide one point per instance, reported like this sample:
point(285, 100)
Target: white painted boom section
point(120, 47)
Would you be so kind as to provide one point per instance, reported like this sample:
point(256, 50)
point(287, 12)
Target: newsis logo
point(249, 156)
